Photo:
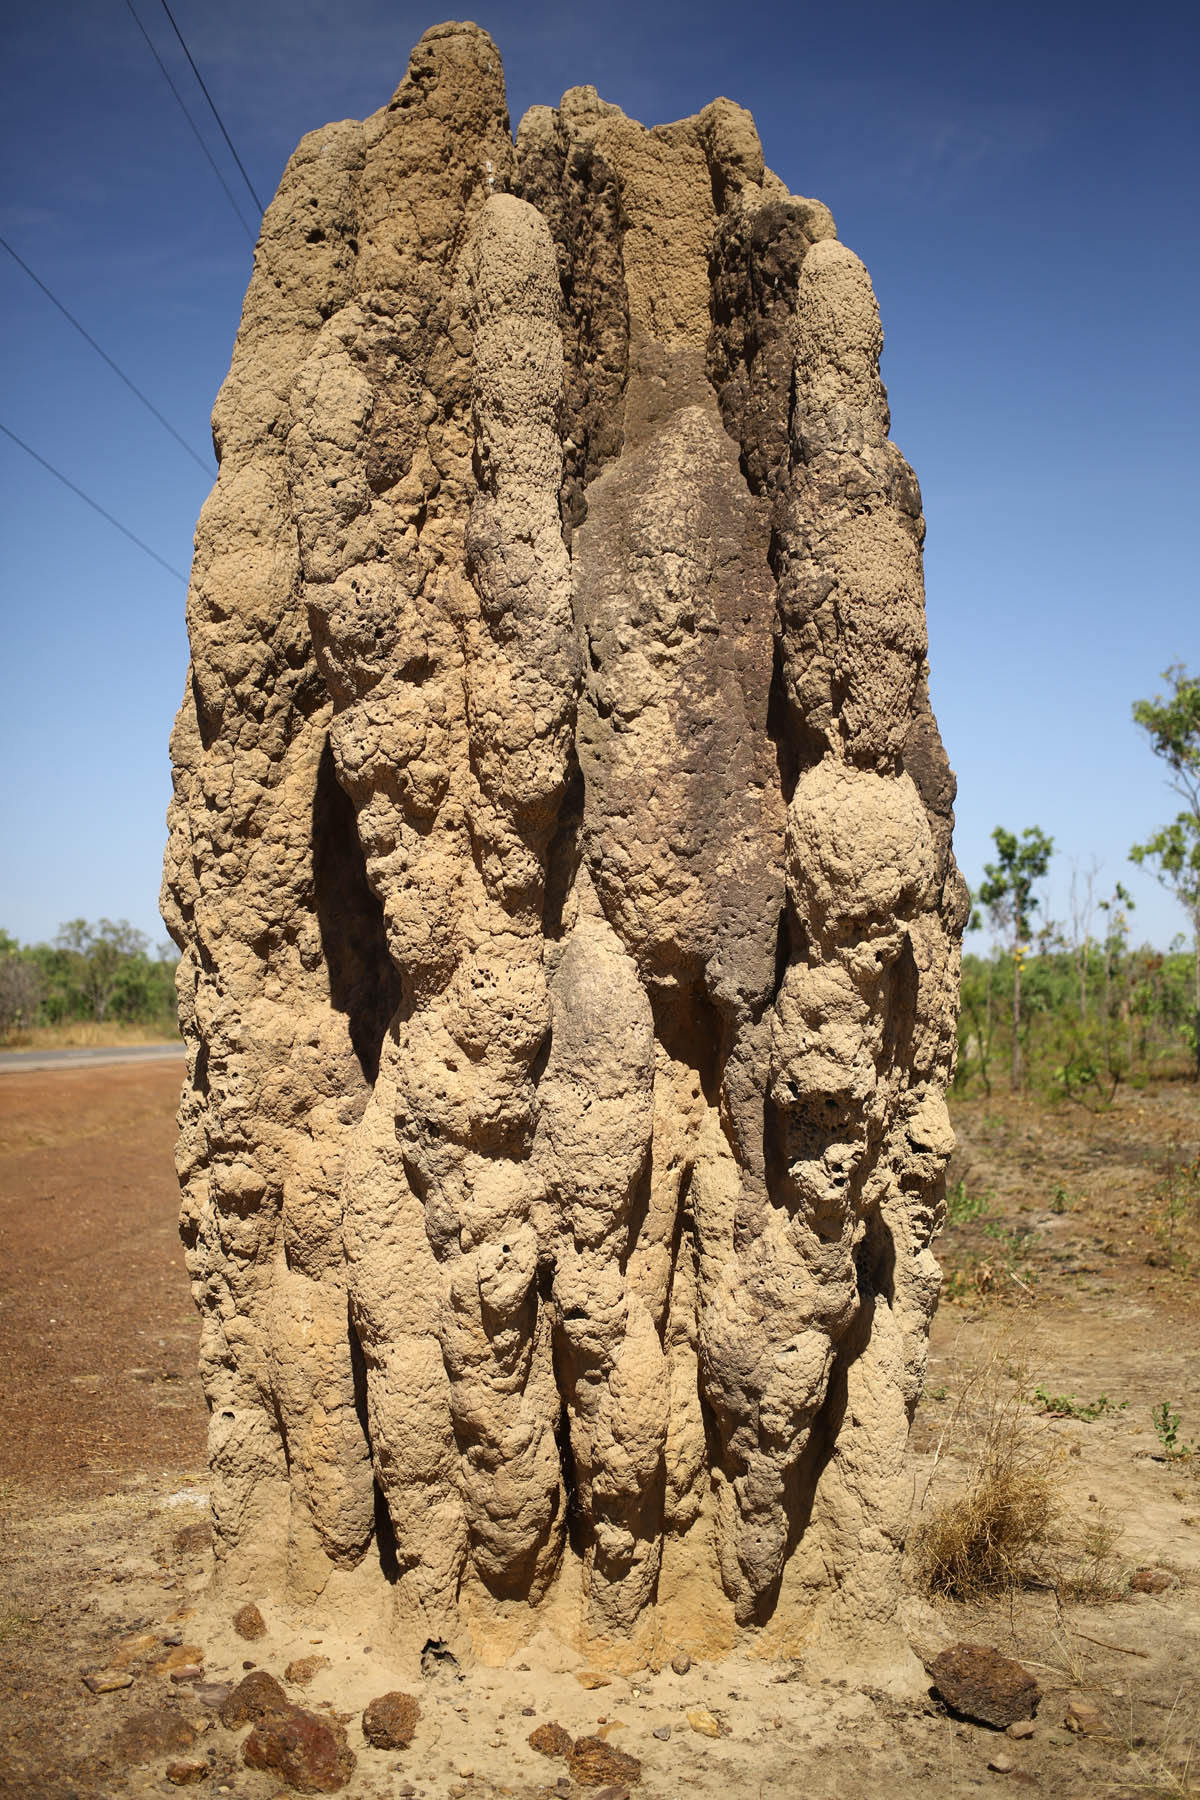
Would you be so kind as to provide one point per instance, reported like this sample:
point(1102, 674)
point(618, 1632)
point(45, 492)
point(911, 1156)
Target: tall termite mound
point(560, 858)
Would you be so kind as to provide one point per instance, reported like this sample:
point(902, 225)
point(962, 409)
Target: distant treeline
point(1091, 1016)
point(103, 972)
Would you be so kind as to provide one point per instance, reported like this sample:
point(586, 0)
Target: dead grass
point(85, 1034)
point(1001, 1530)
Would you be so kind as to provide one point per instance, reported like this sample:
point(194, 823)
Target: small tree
point(20, 985)
point(1172, 723)
point(98, 957)
point(1007, 892)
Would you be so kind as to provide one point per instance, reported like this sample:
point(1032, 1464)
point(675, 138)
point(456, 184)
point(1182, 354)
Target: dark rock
point(309, 1753)
point(255, 1697)
point(193, 1540)
point(249, 1623)
point(151, 1733)
point(390, 1720)
point(1150, 1581)
point(551, 1740)
point(978, 1683)
point(595, 1762)
point(681, 1662)
point(662, 1732)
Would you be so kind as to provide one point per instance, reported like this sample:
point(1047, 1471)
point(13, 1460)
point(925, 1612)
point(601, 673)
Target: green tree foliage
point(1172, 723)
point(101, 971)
point(1007, 892)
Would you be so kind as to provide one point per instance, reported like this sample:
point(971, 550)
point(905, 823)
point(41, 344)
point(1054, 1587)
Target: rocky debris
point(1001, 1764)
point(179, 1656)
point(389, 1721)
point(662, 1732)
point(193, 1540)
point(151, 1732)
point(437, 1659)
point(1151, 1581)
point(550, 1739)
point(1085, 1719)
point(560, 861)
point(187, 1772)
point(187, 1672)
point(1021, 1728)
point(977, 1683)
point(249, 1623)
point(255, 1697)
point(303, 1669)
point(107, 1681)
point(681, 1662)
point(595, 1762)
point(703, 1722)
point(308, 1752)
point(591, 1678)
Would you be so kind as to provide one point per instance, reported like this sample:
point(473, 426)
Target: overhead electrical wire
point(212, 104)
point(94, 504)
point(195, 128)
point(115, 367)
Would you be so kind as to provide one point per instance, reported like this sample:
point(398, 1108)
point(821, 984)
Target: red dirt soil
point(98, 1333)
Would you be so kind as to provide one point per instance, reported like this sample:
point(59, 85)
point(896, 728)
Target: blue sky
point(1021, 181)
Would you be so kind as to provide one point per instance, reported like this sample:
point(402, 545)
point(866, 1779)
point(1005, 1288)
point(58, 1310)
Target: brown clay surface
point(103, 1562)
point(97, 1329)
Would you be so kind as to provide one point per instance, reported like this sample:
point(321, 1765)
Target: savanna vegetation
point(96, 979)
point(1071, 1008)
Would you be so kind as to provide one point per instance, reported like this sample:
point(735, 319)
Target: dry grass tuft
point(1001, 1531)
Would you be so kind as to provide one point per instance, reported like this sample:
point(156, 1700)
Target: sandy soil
point(1073, 1268)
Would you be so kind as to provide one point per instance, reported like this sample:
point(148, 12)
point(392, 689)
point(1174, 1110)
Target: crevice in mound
point(363, 982)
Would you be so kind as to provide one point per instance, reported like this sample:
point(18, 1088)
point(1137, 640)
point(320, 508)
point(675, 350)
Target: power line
point(216, 115)
point(94, 504)
point(131, 385)
point(195, 128)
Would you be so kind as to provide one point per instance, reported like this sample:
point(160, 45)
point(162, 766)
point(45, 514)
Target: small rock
point(591, 1678)
point(303, 1668)
point(310, 1753)
point(529, 1712)
point(186, 1772)
point(611, 1793)
point(193, 1539)
point(1003, 1765)
point(681, 1662)
point(661, 1732)
point(212, 1694)
point(1021, 1728)
point(151, 1733)
point(1150, 1581)
point(107, 1681)
point(1084, 1718)
point(255, 1697)
point(188, 1672)
point(701, 1720)
point(978, 1683)
point(551, 1740)
point(249, 1623)
point(181, 1656)
point(389, 1721)
point(172, 1640)
point(594, 1762)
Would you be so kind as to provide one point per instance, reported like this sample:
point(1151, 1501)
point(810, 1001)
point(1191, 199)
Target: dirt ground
point(1073, 1263)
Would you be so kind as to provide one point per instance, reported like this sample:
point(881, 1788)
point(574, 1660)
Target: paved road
point(16, 1061)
